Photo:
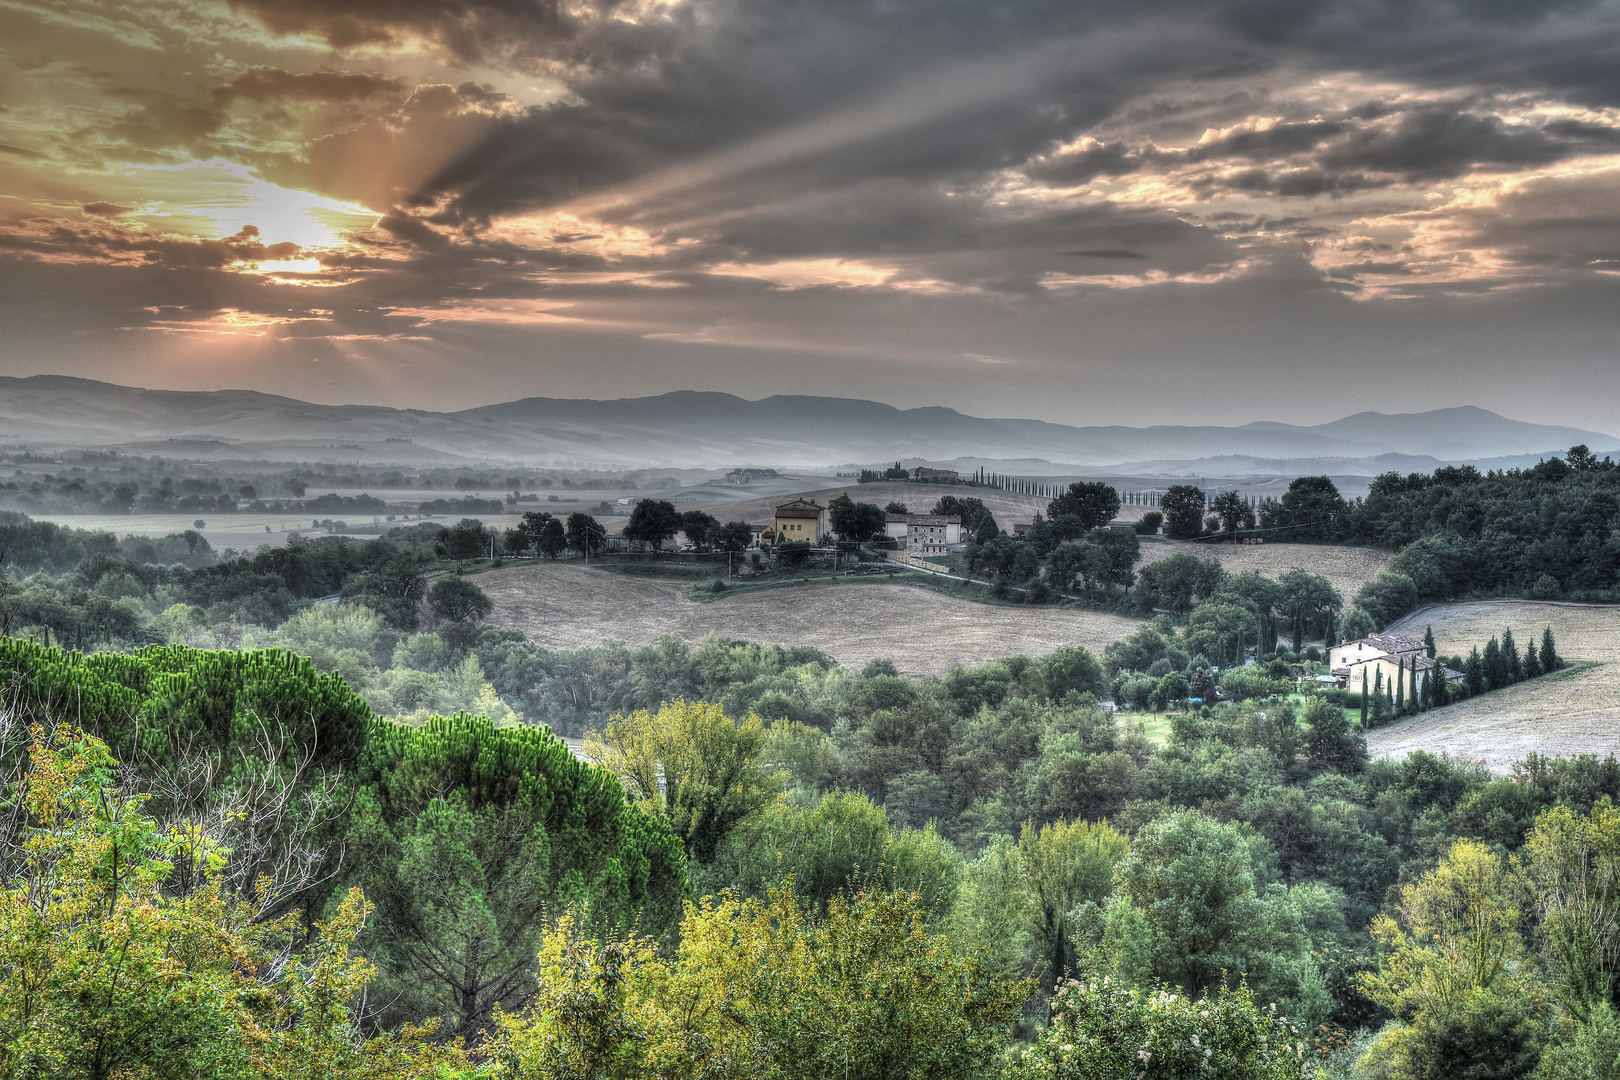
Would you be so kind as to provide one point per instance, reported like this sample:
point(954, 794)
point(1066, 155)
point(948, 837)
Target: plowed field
point(924, 632)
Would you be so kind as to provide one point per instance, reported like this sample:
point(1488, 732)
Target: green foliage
point(1085, 506)
point(1183, 506)
point(1180, 581)
point(690, 764)
point(854, 522)
point(841, 844)
point(1103, 1029)
point(455, 599)
point(467, 835)
point(107, 969)
point(1332, 743)
point(652, 522)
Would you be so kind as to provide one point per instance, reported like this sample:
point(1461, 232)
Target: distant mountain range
point(691, 429)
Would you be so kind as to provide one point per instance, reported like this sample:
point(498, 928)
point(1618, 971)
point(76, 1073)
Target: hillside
point(1575, 712)
point(693, 429)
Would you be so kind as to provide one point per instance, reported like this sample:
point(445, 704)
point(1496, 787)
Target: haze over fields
point(712, 430)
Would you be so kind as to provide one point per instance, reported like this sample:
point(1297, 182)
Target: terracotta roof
point(792, 511)
point(801, 503)
point(933, 519)
point(1393, 643)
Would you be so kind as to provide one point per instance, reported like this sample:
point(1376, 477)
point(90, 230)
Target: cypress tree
point(1549, 655)
point(1363, 697)
point(1474, 672)
point(1400, 687)
point(1532, 662)
point(1495, 672)
point(1510, 658)
point(1428, 641)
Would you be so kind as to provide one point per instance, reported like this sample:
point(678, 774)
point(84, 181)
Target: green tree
point(455, 599)
point(855, 523)
point(1357, 624)
point(1183, 506)
point(690, 764)
point(1549, 652)
point(1148, 524)
point(584, 534)
point(1180, 581)
point(470, 837)
point(1092, 504)
point(1193, 880)
point(1064, 866)
point(1570, 867)
point(107, 970)
point(896, 508)
point(462, 542)
point(866, 992)
point(1311, 509)
point(1234, 511)
point(1331, 743)
point(1310, 600)
point(700, 528)
point(1108, 1030)
point(652, 522)
point(733, 536)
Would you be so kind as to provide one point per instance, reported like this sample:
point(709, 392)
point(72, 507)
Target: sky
point(1087, 212)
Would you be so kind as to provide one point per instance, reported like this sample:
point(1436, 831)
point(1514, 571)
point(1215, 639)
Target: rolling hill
point(702, 429)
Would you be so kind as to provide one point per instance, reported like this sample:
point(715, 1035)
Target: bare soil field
point(1348, 568)
point(918, 498)
point(1571, 712)
point(922, 631)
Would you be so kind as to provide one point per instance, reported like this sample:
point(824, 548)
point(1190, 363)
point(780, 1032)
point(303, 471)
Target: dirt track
point(923, 632)
point(1576, 712)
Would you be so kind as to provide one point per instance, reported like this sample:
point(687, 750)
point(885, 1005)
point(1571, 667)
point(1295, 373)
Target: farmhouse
point(1380, 660)
point(801, 519)
point(928, 534)
point(1372, 647)
point(924, 475)
point(932, 534)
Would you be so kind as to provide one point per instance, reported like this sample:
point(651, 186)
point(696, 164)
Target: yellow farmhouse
point(801, 519)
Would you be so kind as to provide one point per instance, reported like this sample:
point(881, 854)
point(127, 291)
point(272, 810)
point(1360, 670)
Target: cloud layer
point(1148, 211)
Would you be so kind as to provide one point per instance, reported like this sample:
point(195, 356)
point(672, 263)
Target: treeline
point(108, 483)
point(1544, 532)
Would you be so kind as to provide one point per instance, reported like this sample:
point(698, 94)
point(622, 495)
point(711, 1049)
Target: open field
point(922, 631)
point(1570, 712)
point(1348, 568)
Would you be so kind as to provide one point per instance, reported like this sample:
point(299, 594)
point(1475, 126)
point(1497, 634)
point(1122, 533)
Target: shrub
point(1107, 1030)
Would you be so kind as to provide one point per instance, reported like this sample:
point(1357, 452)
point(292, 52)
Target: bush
point(1106, 1030)
point(1148, 524)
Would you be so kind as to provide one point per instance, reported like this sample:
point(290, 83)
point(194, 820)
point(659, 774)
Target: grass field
point(1571, 712)
point(924, 632)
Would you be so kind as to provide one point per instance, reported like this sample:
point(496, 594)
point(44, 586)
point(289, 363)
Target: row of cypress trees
point(1501, 664)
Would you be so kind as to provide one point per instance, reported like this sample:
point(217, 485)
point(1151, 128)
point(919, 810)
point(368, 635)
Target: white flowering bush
point(1110, 1030)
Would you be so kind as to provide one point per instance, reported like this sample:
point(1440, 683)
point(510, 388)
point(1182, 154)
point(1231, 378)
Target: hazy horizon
point(1092, 214)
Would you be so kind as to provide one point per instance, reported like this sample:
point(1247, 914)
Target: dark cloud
point(105, 209)
point(1445, 142)
point(268, 83)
